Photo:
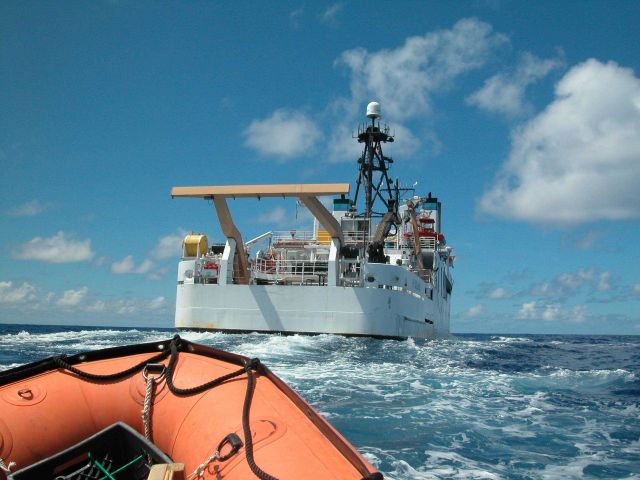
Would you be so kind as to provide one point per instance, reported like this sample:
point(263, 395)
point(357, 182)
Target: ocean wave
point(476, 407)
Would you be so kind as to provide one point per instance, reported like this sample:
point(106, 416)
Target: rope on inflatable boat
point(6, 468)
point(172, 352)
point(248, 447)
point(111, 377)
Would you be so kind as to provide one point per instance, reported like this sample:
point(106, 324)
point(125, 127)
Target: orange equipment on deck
point(196, 398)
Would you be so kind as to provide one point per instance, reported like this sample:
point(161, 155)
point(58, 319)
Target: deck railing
point(291, 272)
point(293, 235)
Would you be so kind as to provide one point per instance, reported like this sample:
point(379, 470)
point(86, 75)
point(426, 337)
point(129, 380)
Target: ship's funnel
point(373, 110)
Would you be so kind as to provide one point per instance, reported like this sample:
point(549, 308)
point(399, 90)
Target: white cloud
point(552, 312)
point(527, 311)
point(535, 311)
point(575, 281)
point(132, 306)
point(604, 282)
point(127, 265)
point(545, 289)
point(342, 146)
point(636, 288)
point(504, 93)
point(169, 246)
point(71, 298)
point(157, 303)
point(145, 266)
point(403, 79)
point(277, 216)
point(564, 284)
point(100, 261)
point(578, 314)
point(579, 160)
point(295, 18)
point(499, 293)
point(588, 240)
point(330, 15)
point(60, 248)
point(157, 273)
point(18, 294)
point(474, 311)
point(28, 209)
point(97, 306)
point(285, 134)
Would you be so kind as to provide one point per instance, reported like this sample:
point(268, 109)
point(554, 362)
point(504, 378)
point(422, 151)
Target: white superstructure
point(382, 274)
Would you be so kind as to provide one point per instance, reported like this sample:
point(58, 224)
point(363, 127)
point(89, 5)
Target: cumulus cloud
point(578, 161)
point(97, 306)
point(123, 266)
point(499, 293)
point(157, 303)
point(286, 133)
point(127, 265)
point(583, 241)
point(28, 209)
point(604, 283)
point(504, 93)
point(403, 79)
point(132, 306)
point(474, 311)
point(573, 281)
point(552, 312)
point(565, 284)
point(276, 216)
point(295, 18)
point(60, 248)
point(329, 16)
point(71, 298)
point(18, 294)
point(169, 246)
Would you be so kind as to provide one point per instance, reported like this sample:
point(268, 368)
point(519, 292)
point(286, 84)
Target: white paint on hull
point(312, 309)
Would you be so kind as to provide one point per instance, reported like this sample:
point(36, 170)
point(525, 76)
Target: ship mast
point(373, 176)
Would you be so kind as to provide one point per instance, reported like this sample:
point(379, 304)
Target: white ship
point(384, 271)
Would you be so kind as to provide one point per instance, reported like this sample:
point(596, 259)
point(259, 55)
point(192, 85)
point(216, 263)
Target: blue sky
point(523, 117)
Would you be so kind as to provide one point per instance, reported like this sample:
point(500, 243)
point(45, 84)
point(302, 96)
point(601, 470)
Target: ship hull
point(353, 311)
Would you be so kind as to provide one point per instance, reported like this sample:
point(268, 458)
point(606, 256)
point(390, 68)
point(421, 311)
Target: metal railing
point(293, 235)
point(354, 237)
point(428, 243)
point(290, 272)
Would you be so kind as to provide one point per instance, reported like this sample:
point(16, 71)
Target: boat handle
point(25, 393)
point(157, 368)
point(234, 441)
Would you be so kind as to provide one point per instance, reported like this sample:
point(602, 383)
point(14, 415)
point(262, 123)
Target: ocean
point(474, 407)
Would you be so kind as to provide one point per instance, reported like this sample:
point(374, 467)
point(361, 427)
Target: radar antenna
point(373, 165)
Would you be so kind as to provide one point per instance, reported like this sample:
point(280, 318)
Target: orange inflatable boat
point(164, 410)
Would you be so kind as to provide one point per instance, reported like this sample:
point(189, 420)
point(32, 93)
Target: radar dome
point(373, 110)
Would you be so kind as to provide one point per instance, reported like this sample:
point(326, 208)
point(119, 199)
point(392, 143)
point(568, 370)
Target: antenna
point(373, 165)
point(373, 110)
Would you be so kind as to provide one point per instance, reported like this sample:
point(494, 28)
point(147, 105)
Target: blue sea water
point(475, 407)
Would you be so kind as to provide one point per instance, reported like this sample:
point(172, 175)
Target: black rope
point(246, 407)
point(172, 351)
point(374, 476)
point(175, 344)
point(246, 429)
point(111, 377)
